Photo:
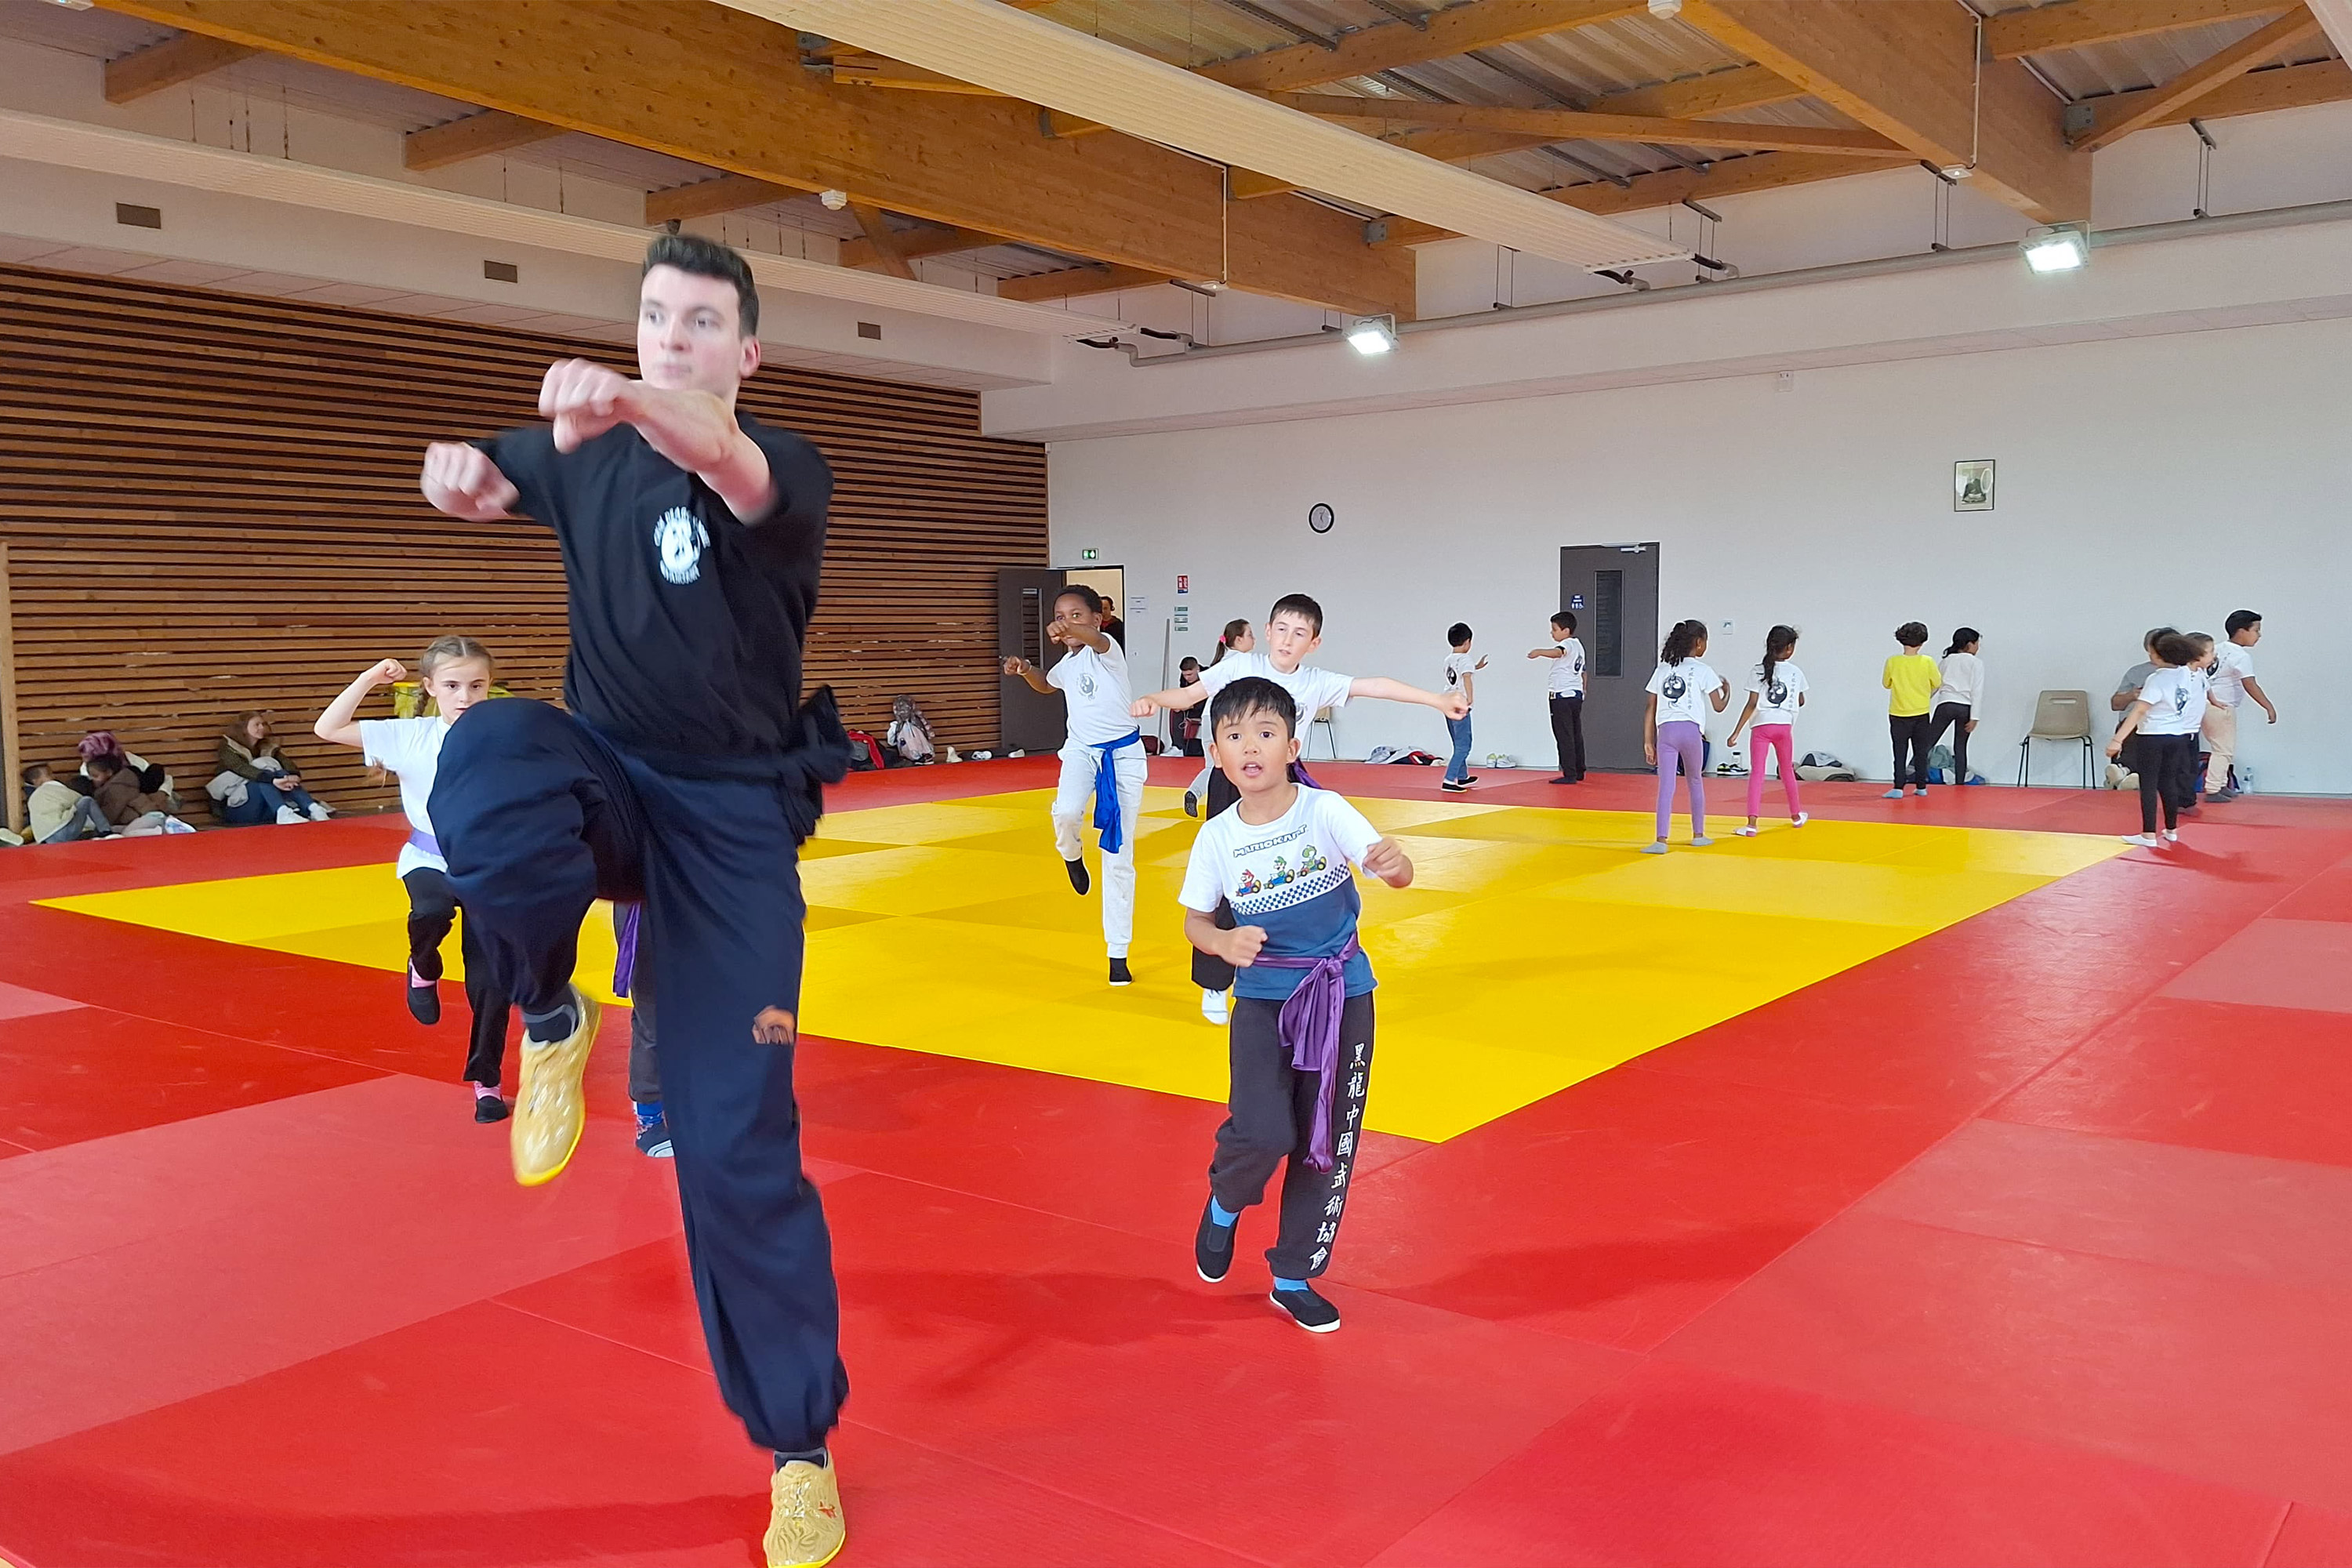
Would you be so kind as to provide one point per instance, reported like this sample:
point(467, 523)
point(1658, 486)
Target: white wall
point(2141, 480)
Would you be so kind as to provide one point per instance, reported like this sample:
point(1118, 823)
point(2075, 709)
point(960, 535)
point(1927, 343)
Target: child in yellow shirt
point(1910, 678)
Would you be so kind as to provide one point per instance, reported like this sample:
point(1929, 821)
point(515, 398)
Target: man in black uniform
point(686, 774)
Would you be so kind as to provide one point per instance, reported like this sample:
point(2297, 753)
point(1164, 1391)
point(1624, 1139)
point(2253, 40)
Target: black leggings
point(2167, 774)
point(432, 905)
point(1953, 716)
point(1909, 732)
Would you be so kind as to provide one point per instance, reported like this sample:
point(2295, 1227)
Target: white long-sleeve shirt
point(1963, 681)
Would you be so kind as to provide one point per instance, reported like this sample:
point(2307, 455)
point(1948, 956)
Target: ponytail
point(1225, 639)
point(1779, 643)
point(1684, 636)
point(1961, 638)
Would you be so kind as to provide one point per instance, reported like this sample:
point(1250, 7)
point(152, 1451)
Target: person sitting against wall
point(153, 780)
point(256, 783)
point(57, 813)
point(130, 809)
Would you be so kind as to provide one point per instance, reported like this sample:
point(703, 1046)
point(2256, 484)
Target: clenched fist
point(585, 400)
point(462, 481)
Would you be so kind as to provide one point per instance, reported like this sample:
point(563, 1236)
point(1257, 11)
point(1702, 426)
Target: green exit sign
point(1086, 554)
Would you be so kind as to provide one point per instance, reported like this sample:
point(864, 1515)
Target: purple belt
point(626, 918)
point(420, 839)
point(1309, 1026)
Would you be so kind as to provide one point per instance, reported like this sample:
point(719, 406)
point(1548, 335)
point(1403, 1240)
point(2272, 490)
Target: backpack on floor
point(1817, 767)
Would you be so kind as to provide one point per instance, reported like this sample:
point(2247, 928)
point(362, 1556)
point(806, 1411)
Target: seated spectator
point(910, 738)
point(56, 813)
point(153, 780)
point(256, 783)
point(131, 810)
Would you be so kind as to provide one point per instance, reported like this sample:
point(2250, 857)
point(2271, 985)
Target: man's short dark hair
point(1083, 595)
point(1457, 634)
point(709, 259)
point(2239, 620)
point(1565, 620)
point(1298, 604)
point(1253, 694)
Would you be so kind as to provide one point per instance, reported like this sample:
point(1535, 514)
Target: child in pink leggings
point(1674, 726)
point(1776, 689)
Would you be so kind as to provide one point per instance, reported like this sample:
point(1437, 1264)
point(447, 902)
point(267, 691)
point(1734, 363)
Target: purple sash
point(1310, 1029)
point(627, 918)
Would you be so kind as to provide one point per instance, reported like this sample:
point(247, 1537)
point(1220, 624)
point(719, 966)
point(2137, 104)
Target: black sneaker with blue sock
point(1297, 1301)
point(1213, 1244)
point(653, 1131)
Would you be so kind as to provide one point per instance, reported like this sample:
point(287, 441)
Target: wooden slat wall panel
point(211, 505)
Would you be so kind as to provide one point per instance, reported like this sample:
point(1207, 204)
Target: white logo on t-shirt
point(679, 538)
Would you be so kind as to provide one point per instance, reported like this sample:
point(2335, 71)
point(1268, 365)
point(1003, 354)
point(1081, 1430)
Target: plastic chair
point(2058, 716)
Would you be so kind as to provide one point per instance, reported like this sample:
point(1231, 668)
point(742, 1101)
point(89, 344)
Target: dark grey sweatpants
point(1270, 1115)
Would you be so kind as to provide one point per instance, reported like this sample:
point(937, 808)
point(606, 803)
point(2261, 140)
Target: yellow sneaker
point(804, 1523)
point(550, 1108)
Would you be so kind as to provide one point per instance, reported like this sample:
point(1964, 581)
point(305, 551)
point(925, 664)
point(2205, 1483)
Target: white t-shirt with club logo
point(1776, 698)
point(1682, 690)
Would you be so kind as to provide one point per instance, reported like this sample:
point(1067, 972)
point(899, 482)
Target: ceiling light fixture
point(2058, 247)
point(1665, 10)
point(1372, 334)
point(833, 200)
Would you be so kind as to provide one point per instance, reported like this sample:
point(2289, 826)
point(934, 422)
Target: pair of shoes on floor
point(1213, 1258)
point(1453, 787)
point(2223, 796)
point(1750, 830)
point(2150, 841)
point(550, 1109)
point(805, 1528)
point(1214, 1007)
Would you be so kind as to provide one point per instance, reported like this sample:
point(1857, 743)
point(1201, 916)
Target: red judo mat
point(2022, 1243)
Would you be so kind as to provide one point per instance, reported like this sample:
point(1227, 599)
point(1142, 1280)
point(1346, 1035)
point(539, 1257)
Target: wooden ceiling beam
point(1731, 177)
point(887, 257)
point(727, 194)
point(1072, 281)
point(1576, 125)
point(475, 136)
point(2116, 117)
point(2078, 24)
point(875, 71)
point(1910, 72)
point(171, 63)
point(2262, 92)
point(1696, 98)
point(1441, 35)
point(914, 244)
point(622, 69)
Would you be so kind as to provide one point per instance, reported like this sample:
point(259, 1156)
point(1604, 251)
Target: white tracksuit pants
point(1073, 813)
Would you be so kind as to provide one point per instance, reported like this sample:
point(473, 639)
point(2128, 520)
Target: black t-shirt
point(687, 625)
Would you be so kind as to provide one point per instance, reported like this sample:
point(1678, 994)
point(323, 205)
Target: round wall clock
point(1319, 518)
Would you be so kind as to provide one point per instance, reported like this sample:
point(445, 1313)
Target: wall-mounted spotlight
point(2058, 247)
point(1372, 334)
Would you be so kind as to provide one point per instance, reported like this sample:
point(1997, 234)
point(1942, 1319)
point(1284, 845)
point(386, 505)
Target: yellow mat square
point(1535, 948)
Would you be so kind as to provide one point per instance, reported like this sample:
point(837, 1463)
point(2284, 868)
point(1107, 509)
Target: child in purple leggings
point(1673, 725)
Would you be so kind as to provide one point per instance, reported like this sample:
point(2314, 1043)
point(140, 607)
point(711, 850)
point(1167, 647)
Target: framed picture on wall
point(1972, 485)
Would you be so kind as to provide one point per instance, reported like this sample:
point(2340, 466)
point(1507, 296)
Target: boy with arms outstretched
point(1102, 757)
point(1294, 630)
point(1284, 858)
